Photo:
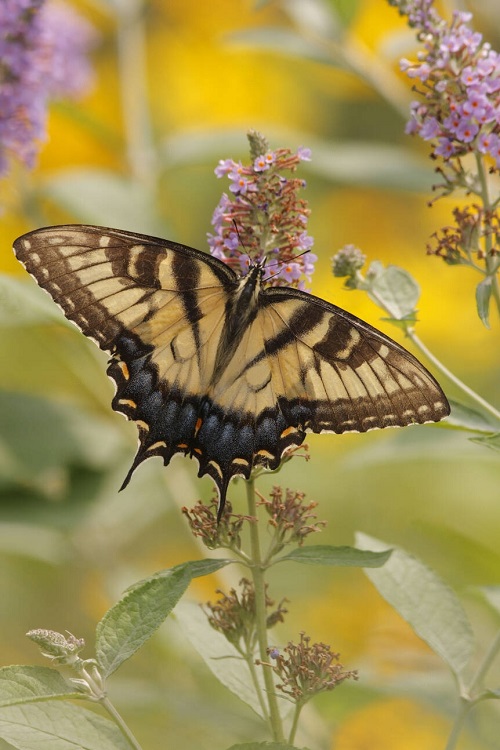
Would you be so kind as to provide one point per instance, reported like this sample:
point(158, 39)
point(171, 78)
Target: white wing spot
point(27, 244)
point(104, 240)
point(346, 423)
point(383, 351)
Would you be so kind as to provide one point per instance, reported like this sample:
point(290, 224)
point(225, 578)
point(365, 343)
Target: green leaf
point(483, 296)
point(97, 196)
point(58, 725)
point(325, 554)
point(470, 418)
point(492, 596)
point(134, 619)
point(425, 602)
point(46, 446)
point(396, 291)
point(489, 441)
point(265, 746)
point(23, 303)
point(371, 164)
point(195, 568)
point(288, 42)
point(219, 655)
point(26, 684)
point(492, 693)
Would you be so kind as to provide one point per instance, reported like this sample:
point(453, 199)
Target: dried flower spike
point(307, 669)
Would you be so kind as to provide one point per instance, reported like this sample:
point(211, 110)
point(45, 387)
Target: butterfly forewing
point(196, 379)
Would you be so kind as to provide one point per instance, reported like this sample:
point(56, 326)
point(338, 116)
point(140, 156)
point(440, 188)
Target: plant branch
point(257, 569)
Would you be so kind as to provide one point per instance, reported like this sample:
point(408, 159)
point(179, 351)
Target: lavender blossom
point(459, 77)
point(43, 48)
point(264, 221)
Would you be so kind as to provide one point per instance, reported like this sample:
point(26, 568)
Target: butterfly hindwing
point(333, 372)
point(219, 368)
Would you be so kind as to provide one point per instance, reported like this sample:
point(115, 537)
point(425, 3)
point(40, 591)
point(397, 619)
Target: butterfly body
point(218, 367)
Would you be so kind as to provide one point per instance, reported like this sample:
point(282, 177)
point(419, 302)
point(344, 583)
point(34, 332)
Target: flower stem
point(459, 383)
point(257, 569)
point(97, 690)
point(458, 724)
point(134, 99)
point(466, 703)
point(435, 361)
point(108, 706)
point(295, 722)
point(491, 267)
point(485, 663)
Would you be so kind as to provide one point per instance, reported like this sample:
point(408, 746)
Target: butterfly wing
point(332, 372)
point(156, 306)
point(161, 309)
point(305, 365)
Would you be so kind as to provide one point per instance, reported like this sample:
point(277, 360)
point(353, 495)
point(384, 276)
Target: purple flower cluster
point(263, 220)
point(43, 48)
point(460, 78)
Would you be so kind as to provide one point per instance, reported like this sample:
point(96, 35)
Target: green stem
point(459, 383)
point(96, 685)
point(255, 679)
point(108, 706)
point(261, 615)
point(491, 268)
point(468, 701)
point(295, 722)
point(134, 99)
point(435, 361)
point(486, 663)
point(458, 724)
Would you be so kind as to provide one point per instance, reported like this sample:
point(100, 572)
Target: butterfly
point(219, 367)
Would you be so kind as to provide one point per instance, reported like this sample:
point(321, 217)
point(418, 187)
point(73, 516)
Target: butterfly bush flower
point(457, 75)
point(43, 56)
point(264, 220)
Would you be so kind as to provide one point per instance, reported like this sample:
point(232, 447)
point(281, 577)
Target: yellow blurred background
point(139, 152)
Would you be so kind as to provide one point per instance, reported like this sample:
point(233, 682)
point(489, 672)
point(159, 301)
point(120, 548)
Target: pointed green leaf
point(483, 297)
point(98, 196)
point(325, 554)
point(24, 303)
point(265, 746)
point(471, 418)
point(425, 602)
point(220, 656)
point(26, 684)
point(396, 291)
point(195, 568)
point(288, 42)
point(489, 441)
point(58, 725)
point(134, 619)
point(492, 596)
